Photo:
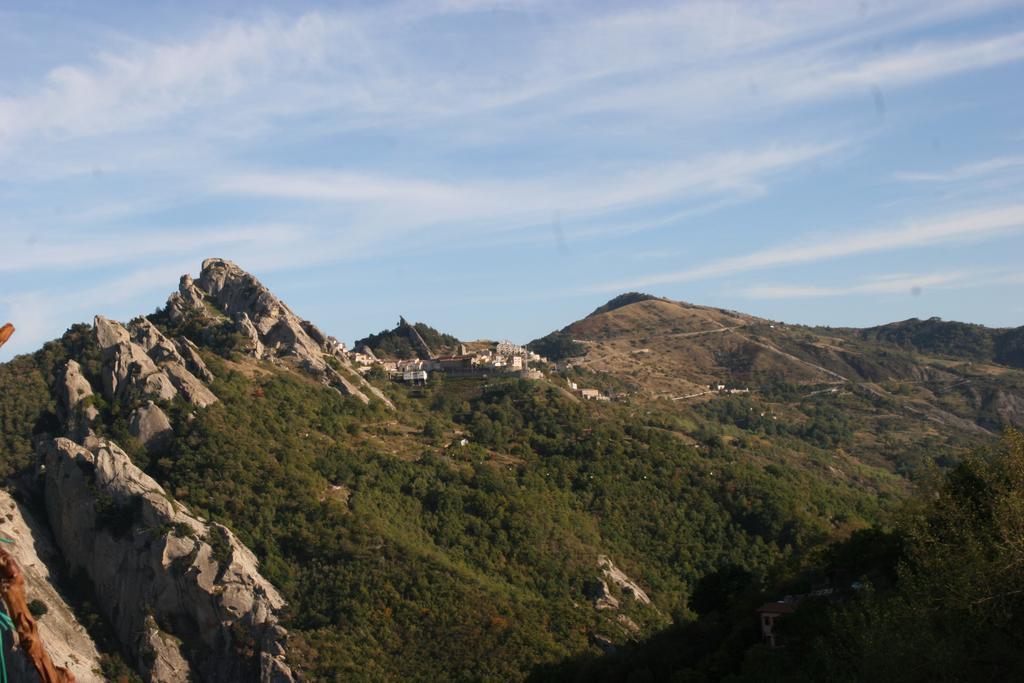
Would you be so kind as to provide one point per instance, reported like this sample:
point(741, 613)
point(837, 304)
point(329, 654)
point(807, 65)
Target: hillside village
point(501, 357)
point(473, 359)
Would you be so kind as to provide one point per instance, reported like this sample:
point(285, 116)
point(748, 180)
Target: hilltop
point(369, 521)
point(409, 340)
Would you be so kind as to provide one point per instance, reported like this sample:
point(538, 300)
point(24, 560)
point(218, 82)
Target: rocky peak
point(415, 338)
point(188, 300)
point(270, 327)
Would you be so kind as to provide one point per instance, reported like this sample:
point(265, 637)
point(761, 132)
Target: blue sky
point(500, 168)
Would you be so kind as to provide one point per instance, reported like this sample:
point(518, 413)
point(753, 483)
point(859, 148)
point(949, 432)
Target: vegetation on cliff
point(936, 593)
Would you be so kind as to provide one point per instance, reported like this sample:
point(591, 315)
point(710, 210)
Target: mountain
point(899, 387)
point(229, 498)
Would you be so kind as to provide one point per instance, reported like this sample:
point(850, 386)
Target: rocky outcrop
point(128, 372)
point(193, 361)
point(187, 302)
point(603, 598)
point(67, 642)
point(150, 425)
point(184, 596)
point(252, 336)
point(74, 407)
point(167, 357)
point(236, 292)
point(1005, 408)
point(618, 577)
point(270, 328)
point(415, 338)
point(141, 363)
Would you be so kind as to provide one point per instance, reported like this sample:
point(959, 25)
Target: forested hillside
point(502, 528)
point(934, 594)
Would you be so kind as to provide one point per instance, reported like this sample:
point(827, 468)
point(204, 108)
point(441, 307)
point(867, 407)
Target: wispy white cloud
point(889, 284)
point(981, 224)
point(892, 284)
point(793, 78)
point(155, 82)
point(697, 57)
point(87, 250)
point(965, 172)
point(420, 201)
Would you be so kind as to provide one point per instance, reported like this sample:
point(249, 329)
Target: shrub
point(37, 608)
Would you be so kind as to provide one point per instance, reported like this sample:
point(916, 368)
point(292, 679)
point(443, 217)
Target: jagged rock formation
point(252, 336)
point(415, 338)
point(166, 355)
point(187, 301)
point(74, 408)
point(185, 596)
point(618, 577)
point(66, 640)
point(281, 332)
point(604, 598)
point(143, 364)
point(150, 425)
point(193, 361)
point(128, 372)
point(270, 328)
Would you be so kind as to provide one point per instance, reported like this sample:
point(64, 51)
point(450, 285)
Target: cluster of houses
point(503, 357)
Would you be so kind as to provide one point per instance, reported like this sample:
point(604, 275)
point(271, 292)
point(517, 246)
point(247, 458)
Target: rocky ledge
point(185, 597)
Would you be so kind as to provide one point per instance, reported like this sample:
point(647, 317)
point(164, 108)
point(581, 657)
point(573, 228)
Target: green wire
point(6, 624)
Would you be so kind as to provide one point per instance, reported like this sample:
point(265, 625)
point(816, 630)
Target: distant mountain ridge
point(949, 338)
point(962, 375)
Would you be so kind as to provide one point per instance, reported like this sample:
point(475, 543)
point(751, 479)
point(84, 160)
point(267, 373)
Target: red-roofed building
point(770, 612)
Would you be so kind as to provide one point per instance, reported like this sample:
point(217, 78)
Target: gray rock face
point(187, 301)
point(67, 641)
point(237, 292)
point(165, 354)
point(185, 596)
point(271, 328)
point(193, 361)
point(72, 408)
point(143, 363)
point(127, 369)
point(110, 333)
point(627, 585)
point(1007, 406)
point(251, 334)
point(150, 425)
point(194, 391)
point(156, 345)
